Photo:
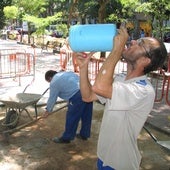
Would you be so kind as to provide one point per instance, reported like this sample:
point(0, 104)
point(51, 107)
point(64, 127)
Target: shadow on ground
point(31, 147)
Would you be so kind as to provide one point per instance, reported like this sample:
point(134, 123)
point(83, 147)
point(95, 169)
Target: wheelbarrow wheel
point(11, 119)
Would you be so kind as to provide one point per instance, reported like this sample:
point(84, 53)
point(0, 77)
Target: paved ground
point(31, 147)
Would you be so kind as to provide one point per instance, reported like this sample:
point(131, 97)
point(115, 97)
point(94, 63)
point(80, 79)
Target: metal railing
point(16, 64)
point(68, 63)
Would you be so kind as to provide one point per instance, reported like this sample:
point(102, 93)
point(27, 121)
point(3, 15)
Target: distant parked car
point(56, 34)
point(18, 29)
point(167, 37)
point(13, 34)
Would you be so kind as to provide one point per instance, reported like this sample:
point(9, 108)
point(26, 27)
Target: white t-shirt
point(124, 116)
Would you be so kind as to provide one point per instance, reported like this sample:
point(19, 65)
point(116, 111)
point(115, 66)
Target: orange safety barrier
point(167, 82)
point(161, 83)
point(167, 79)
point(158, 82)
point(68, 60)
point(8, 51)
point(12, 57)
point(64, 59)
point(94, 67)
point(17, 65)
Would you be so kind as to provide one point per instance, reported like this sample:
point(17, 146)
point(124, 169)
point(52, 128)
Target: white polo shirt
point(124, 116)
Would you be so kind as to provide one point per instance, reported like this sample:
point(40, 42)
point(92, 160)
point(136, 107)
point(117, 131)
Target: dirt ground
point(31, 147)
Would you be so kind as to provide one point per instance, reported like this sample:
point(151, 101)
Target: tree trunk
point(101, 17)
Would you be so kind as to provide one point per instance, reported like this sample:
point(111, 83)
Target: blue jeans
point(78, 110)
point(101, 167)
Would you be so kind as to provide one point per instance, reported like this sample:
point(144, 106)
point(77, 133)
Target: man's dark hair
point(49, 74)
point(158, 57)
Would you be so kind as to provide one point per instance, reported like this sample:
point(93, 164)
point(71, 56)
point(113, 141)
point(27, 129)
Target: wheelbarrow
point(18, 103)
point(163, 144)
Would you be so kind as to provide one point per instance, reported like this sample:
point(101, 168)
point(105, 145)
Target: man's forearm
point(104, 79)
point(85, 85)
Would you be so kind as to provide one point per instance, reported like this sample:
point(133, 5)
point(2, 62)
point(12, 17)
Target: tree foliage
point(159, 10)
point(31, 7)
point(103, 11)
point(42, 23)
point(10, 12)
point(3, 3)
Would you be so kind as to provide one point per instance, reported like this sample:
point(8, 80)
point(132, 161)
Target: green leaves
point(10, 12)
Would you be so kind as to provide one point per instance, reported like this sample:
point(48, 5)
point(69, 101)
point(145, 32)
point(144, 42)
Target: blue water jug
point(92, 37)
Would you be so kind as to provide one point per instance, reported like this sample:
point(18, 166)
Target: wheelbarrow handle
point(151, 135)
point(45, 91)
point(26, 87)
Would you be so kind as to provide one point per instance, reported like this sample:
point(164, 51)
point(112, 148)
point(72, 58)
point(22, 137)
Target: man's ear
point(145, 61)
point(148, 60)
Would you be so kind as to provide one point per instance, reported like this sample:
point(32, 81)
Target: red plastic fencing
point(15, 64)
point(68, 62)
point(160, 80)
